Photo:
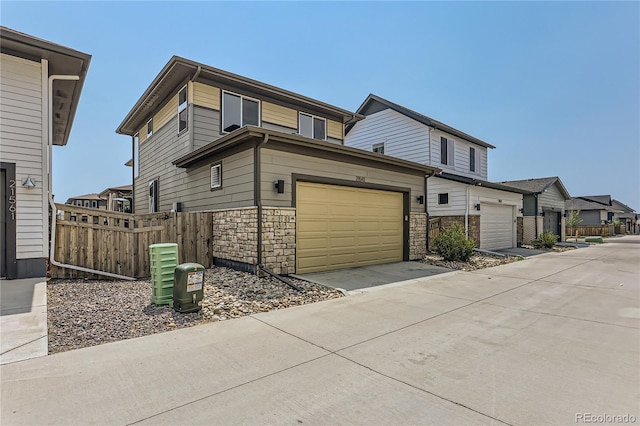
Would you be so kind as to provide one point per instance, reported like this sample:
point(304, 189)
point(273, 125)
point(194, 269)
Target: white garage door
point(496, 226)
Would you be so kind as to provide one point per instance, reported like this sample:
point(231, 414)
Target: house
point(118, 199)
point(90, 201)
point(490, 212)
point(40, 86)
point(625, 214)
point(543, 208)
point(594, 209)
point(272, 166)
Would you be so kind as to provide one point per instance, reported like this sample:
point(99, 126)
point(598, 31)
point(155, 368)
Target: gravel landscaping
point(83, 313)
point(477, 261)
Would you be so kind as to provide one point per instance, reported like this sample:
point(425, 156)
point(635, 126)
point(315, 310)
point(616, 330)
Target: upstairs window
point(312, 126)
point(149, 128)
point(182, 109)
point(94, 204)
point(378, 147)
point(446, 152)
point(153, 196)
point(472, 159)
point(87, 203)
point(216, 176)
point(238, 111)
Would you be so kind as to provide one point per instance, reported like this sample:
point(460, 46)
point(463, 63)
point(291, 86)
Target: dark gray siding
point(206, 126)
point(590, 217)
point(529, 205)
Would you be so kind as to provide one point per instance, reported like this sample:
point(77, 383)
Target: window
point(312, 126)
point(149, 128)
point(153, 196)
point(136, 155)
point(216, 176)
point(472, 159)
point(378, 147)
point(182, 109)
point(446, 151)
point(94, 204)
point(87, 203)
point(238, 111)
point(443, 198)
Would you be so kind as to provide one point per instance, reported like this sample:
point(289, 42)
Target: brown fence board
point(118, 243)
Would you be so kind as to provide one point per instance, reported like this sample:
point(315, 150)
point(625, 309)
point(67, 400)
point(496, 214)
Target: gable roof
point(579, 203)
point(605, 200)
point(480, 182)
point(61, 61)
point(375, 103)
point(538, 185)
point(179, 70)
point(621, 206)
point(124, 188)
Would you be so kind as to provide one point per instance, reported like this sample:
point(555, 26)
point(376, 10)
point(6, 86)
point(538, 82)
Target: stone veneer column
point(417, 235)
point(235, 233)
point(279, 239)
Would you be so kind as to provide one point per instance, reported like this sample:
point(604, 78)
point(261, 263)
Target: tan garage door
point(496, 226)
point(341, 227)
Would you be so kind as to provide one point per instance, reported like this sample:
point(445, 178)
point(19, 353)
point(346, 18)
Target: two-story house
point(272, 165)
point(90, 201)
point(40, 85)
point(544, 208)
point(491, 212)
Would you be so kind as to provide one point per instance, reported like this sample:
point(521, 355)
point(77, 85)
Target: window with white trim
point(312, 126)
point(443, 198)
point(472, 159)
point(87, 203)
point(182, 109)
point(153, 196)
point(216, 176)
point(149, 128)
point(238, 111)
point(378, 147)
point(447, 151)
point(94, 204)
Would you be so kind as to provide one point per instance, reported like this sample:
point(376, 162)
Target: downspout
point(257, 188)
point(536, 221)
point(54, 210)
point(466, 212)
point(426, 206)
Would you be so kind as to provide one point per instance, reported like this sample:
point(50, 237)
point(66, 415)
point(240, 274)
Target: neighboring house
point(489, 211)
point(625, 214)
point(543, 209)
point(272, 166)
point(119, 198)
point(90, 201)
point(40, 85)
point(594, 209)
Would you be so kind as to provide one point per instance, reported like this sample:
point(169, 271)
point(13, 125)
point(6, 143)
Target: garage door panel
point(361, 226)
point(496, 226)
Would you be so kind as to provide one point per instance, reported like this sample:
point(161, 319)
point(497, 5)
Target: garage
point(496, 226)
point(341, 227)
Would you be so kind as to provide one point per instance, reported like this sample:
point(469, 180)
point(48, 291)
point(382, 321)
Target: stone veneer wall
point(279, 239)
point(529, 228)
point(235, 233)
point(474, 225)
point(417, 236)
point(519, 230)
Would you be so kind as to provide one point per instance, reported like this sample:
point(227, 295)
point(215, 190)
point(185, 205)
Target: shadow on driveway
point(374, 275)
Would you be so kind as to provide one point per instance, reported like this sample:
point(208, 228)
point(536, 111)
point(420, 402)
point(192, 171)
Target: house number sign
point(12, 198)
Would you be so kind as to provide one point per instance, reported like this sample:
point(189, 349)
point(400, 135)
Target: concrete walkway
point(541, 341)
point(23, 319)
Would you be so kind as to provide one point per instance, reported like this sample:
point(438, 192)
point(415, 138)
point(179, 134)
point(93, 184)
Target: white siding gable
point(402, 136)
point(460, 164)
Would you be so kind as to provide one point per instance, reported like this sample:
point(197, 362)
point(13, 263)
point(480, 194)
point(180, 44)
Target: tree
point(573, 220)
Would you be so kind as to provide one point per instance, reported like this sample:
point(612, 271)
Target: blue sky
point(553, 85)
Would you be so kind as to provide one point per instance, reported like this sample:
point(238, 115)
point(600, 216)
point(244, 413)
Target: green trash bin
point(164, 259)
point(188, 287)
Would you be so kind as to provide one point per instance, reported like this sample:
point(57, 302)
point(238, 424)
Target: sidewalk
point(532, 342)
point(23, 319)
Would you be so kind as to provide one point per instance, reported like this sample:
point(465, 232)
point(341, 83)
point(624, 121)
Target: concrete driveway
point(552, 339)
point(374, 275)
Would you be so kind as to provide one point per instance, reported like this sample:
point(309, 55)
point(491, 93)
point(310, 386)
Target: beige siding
point(166, 113)
point(21, 134)
point(277, 114)
point(206, 96)
point(142, 133)
point(335, 130)
point(281, 165)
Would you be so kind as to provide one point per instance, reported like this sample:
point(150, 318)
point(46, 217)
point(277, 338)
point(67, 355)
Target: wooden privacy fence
point(605, 230)
point(119, 242)
point(434, 230)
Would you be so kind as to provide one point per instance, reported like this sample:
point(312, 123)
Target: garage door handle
point(406, 218)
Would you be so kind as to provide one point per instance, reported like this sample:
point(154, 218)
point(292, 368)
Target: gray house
point(272, 166)
point(594, 209)
point(625, 214)
point(490, 212)
point(40, 84)
point(543, 208)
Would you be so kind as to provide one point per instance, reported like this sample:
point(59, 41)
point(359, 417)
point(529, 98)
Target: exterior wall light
point(28, 183)
point(279, 185)
point(477, 206)
point(421, 199)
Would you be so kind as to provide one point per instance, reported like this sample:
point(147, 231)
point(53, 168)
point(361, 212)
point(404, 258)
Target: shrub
point(546, 240)
point(453, 244)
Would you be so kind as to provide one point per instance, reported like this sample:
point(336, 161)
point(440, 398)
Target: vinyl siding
point(21, 133)
point(402, 137)
point(281, 165)
point(206, 96)
point(408, 139)
point(552, 198)
point(166, 113)
point(206, 126)
point(280, 115)
point(335, 130)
